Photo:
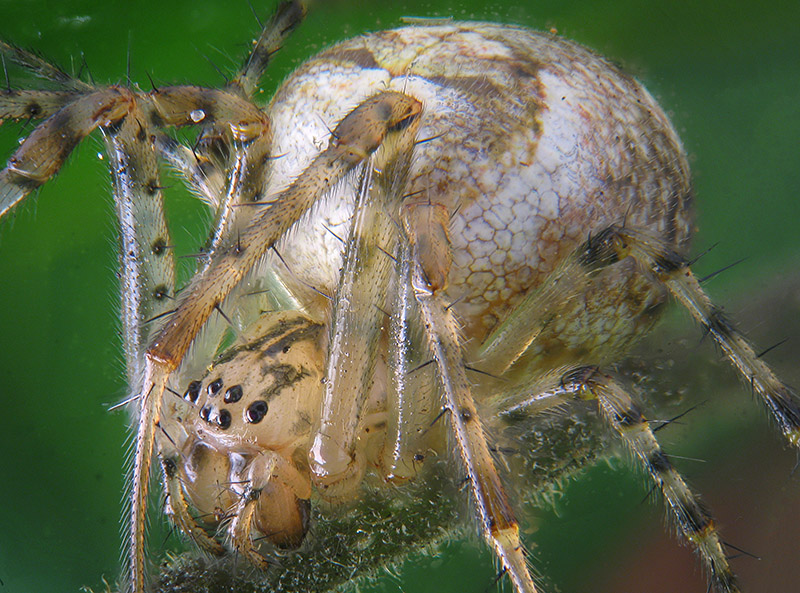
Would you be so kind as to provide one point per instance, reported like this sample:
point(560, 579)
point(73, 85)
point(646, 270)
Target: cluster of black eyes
point(253, 415)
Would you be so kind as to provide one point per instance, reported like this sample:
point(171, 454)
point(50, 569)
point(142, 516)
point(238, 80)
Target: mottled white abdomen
point(530, 141)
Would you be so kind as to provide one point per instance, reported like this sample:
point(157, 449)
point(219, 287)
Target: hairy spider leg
point(356, 137)
point(426, 224)
point(32, 104)
point(623, 415)
point(666, 267)
point(284, 20)
point(358, 311)
point(47, 147)
point(43, 69)
point(412, 400)
point(672, 270)
point(147, 261)
point(693, 520)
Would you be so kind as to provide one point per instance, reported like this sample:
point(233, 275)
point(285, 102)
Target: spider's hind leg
point(672, 270)
point(693, 521)
point(623, 415)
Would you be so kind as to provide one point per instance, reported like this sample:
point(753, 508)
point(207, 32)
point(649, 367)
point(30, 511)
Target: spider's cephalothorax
point(413, 205)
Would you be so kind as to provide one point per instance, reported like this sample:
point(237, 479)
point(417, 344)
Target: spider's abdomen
point(530, 141)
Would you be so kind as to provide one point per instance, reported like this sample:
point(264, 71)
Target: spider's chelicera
point(428, 232)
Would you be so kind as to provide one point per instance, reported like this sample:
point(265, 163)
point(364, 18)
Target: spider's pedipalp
point(278, 514)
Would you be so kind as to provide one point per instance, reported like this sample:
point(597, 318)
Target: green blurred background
point(730, 77)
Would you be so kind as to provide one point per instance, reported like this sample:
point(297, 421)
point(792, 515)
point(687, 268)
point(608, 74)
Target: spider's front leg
point(378, 118)
point(46, 149)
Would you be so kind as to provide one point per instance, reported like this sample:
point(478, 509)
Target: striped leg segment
point(426, 225)
point(626, 419)
point(499, 526)
point(673, 272)
point(693, 521)
point(46, 149)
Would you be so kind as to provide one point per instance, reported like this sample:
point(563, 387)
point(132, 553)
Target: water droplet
point(100, 156)
point(197, 115)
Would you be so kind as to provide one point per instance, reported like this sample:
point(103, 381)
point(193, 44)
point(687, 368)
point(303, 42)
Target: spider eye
point(233, 394)
point(205, 413)
point(224, 419)
point(214, 387)
point(192, 392)
point(256, 411)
